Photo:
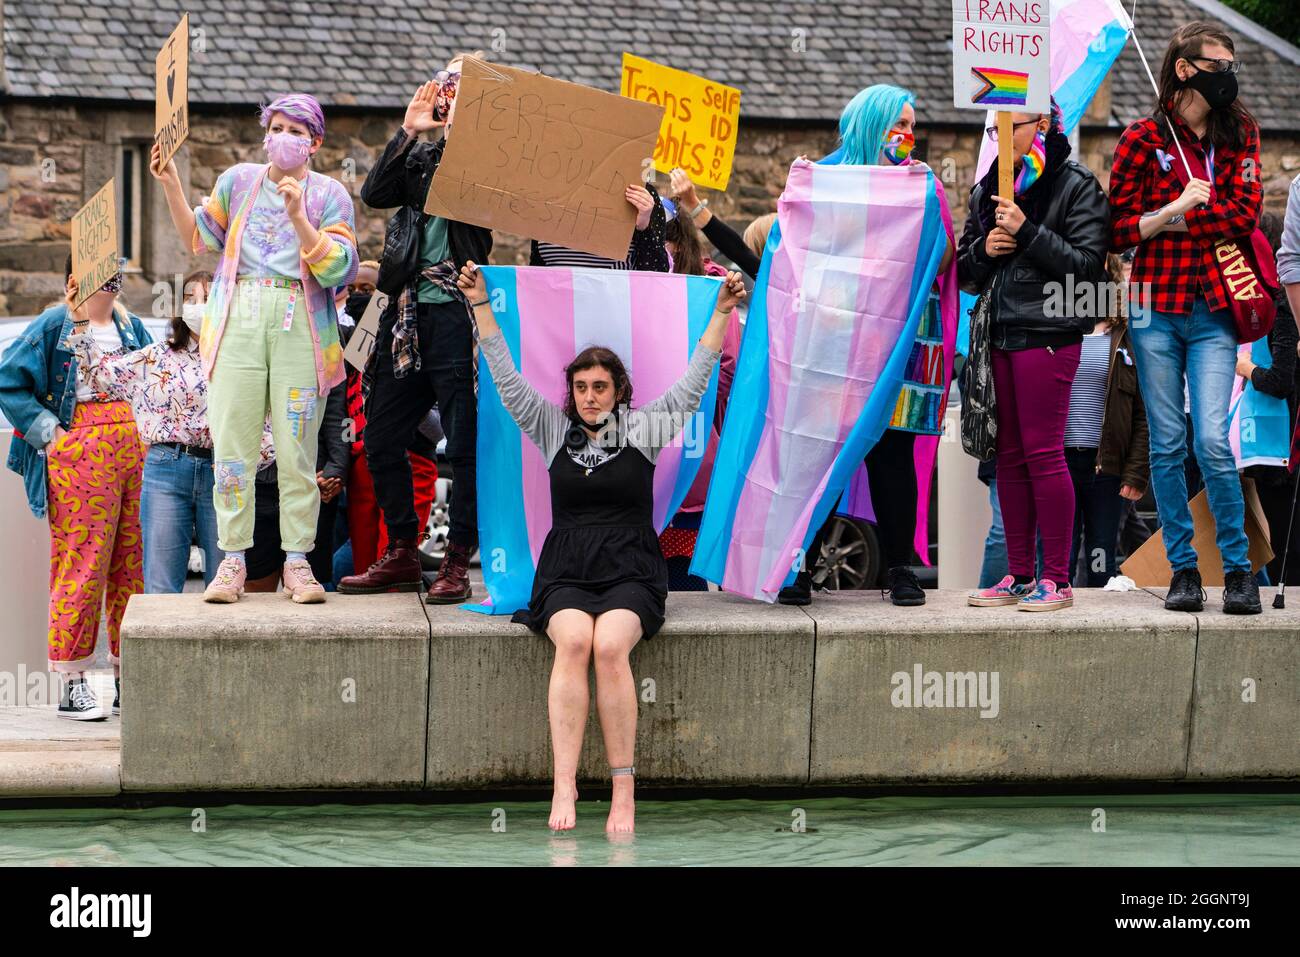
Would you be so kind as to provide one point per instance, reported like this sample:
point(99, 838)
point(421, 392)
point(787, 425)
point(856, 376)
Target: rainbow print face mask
point(898, 147)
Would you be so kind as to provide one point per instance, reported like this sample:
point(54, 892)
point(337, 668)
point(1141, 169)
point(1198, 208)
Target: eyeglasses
point(992, 131)
point(442, 76)
point(1219, 66)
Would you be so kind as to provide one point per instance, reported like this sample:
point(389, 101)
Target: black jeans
point(397, 406)
point(891, 476)
point(1097, 511)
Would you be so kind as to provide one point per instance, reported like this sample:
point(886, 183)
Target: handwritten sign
point(701, 119)
point(94, 242)
point(544, 158)
point(363, 338)
point(1000, 55)
point(172, 90)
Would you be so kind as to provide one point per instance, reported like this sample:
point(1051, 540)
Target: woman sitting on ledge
point(601, 578)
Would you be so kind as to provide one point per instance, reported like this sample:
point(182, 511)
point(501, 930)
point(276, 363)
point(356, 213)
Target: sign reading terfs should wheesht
point(171, 91)
point(1000, 55)
point(544, 158)
point(701, 119)
point(94, 242)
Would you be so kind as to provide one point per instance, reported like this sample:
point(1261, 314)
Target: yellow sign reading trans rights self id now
point(701, 119)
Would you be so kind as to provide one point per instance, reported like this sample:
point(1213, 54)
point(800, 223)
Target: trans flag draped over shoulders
point(652, 321)
point(845, 279)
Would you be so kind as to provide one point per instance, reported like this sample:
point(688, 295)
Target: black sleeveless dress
point(602, 552)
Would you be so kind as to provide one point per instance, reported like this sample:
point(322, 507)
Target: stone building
point(76, 96)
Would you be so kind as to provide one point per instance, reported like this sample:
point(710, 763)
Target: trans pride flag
point(1259, 425)
point(652, 321)
point(1086, 37)
point(846, 275)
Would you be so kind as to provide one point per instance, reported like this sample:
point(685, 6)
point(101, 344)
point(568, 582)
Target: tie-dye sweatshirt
point(219, 227)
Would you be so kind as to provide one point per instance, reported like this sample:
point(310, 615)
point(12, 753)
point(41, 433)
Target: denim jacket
point(38, 390)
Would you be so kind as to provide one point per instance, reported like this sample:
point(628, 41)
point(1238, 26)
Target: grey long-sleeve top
point(649, 429)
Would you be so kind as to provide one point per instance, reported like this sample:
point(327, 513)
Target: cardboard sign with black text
point(362, 343)
point(544, 158)
point(94, 242)
point(172, 90)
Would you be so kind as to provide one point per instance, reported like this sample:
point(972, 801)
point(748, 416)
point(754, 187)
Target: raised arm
point(656, 424)
point(542, 421)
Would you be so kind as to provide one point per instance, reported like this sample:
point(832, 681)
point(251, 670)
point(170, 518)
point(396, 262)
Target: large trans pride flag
point(846, 275)
point(652, 321)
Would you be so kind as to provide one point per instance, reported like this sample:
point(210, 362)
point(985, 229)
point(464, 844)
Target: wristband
point(698, 209)
point(481, 302)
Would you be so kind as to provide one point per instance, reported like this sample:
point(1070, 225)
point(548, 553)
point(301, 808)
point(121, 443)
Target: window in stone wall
point(132, 171)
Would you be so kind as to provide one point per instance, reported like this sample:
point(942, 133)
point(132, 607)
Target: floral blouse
point(166, 388)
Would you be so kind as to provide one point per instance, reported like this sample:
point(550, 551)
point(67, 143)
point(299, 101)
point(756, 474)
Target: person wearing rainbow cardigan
point(286, 238)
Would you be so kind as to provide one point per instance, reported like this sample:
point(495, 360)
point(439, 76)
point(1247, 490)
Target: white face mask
point(192, 315)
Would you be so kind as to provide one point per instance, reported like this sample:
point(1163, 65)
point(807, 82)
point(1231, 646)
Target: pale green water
point(1175, 830)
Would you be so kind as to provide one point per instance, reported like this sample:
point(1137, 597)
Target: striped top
point(1088, 393)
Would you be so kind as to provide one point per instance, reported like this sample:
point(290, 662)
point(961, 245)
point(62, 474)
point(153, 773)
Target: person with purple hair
point(286, 240)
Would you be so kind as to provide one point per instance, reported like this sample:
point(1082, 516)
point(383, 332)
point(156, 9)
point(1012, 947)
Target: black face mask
point(609, 439)
point(356, 304)
point(1219, 89)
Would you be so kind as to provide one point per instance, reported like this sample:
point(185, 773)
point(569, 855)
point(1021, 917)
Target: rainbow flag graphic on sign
point(997, 87)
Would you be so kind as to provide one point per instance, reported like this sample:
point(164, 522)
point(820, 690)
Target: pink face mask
point(285, 150)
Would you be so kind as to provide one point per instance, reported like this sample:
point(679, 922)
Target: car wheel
point(850, 558)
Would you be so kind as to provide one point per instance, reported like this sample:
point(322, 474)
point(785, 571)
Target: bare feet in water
point(564, 814)
point(622, 807)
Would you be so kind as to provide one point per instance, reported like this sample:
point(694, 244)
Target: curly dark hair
point(591, 358)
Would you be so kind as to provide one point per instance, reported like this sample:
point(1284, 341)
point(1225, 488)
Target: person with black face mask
point(359, 293)
point(1175, 201)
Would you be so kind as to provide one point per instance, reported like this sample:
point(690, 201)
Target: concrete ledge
point(369, 693)
point(1240, 657)
point(267, 694)
point(1098, 691)
point(724, 693)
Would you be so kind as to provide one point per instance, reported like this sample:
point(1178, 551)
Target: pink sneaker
point(1047, 597)
point(1005, 592)
point(228, 584)
point(300, 584)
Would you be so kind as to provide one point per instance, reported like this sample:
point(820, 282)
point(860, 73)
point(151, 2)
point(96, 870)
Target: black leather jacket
point(400, 177)
point(1035, 288)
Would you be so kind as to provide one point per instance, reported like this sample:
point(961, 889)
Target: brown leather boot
point(398, 568)
point(452, 584)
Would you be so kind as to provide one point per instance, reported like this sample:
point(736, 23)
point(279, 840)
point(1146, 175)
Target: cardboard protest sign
point(94, 242)
point(171, 91)
point(1149, 565)
point(362, 343)
point(1000, 55)
point(544, 158)
point(701, 119)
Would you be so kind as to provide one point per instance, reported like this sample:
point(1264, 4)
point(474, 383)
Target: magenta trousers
point(1032, 388)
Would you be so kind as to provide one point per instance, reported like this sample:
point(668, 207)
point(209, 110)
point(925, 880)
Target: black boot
point(903, 588)
point(798, 593)
point(1185, 591)
point(1240, 594)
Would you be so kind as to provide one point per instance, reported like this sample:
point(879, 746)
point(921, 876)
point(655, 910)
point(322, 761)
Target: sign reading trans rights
point(1000, 55)
point(544, 158)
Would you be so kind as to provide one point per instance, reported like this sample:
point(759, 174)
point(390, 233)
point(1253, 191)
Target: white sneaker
point(78, 702)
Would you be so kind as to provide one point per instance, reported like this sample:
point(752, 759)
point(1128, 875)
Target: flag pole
point(1137, 44)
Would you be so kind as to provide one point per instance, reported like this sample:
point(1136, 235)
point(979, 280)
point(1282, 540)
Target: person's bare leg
point(267, 583)
point(617, 631)
point(568, 701)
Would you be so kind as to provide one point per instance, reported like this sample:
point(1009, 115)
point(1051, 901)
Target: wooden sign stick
point(1006, 158)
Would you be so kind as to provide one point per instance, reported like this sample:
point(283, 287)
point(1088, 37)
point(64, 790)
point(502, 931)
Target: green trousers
point(262, 367)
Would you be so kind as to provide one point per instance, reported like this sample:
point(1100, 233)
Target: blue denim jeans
point(1202, 345)
point(175, 510)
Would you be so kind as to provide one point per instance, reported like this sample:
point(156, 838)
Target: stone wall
point(54, 156)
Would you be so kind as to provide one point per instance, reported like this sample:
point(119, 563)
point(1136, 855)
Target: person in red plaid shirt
point(1181, 325)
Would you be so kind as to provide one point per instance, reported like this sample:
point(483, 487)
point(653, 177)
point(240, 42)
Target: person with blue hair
point(878, 128)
